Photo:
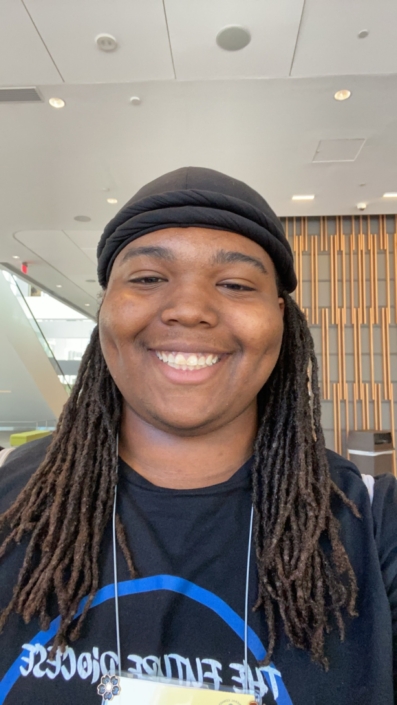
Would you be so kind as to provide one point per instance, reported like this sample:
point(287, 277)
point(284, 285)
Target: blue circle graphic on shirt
point(152, 584)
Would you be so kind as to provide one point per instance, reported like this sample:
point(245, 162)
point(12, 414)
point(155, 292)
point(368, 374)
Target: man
point(198, 399)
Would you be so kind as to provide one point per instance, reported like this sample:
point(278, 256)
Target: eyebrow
point(228, 257)
point(221, 257)
point(159, 252)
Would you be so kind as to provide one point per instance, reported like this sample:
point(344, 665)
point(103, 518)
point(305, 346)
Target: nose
point(190, 305)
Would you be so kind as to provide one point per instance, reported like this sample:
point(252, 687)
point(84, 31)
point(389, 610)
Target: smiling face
point(191, 327)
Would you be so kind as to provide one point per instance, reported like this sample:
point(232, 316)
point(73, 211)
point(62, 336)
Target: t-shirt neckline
point(240, 479)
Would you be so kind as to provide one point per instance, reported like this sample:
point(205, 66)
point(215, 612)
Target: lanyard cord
point(247, 585)
point(116, 591)
point(116, 584)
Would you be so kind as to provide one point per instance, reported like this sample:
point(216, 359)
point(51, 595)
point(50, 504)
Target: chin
point(183, 425)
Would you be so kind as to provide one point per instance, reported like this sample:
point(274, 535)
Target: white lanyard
point(116, 595)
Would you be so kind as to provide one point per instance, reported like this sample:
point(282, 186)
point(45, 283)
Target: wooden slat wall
point(347, 270)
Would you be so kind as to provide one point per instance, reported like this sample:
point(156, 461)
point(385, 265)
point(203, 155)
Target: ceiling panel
point(338, 150)
point(69, 30)
point(329, 44)
point(194, 25)
point(87, 241)
point(24, 60)
point(58, 250)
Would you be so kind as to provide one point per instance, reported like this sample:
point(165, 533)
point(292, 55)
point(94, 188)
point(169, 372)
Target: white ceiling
point(259, 114)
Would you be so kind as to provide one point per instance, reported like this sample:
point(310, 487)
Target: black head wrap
point(202, 198)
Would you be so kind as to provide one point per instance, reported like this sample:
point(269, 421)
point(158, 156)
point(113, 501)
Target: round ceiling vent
point(82, 218)
point(106, 42)
point(233, 38)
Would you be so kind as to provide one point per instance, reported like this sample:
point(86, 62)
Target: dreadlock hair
point(64, 508)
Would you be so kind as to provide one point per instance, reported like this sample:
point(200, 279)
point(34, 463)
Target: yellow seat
point(18, 439)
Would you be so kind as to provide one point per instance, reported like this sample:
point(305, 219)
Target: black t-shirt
point(183, 617)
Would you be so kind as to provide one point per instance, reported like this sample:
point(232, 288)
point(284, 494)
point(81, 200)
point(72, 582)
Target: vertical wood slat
point(336, 414)
point(377, 407)
point(375, 278)
point(371, 353)
point(365, 407)
point(341, 356)
point(325, 352)
point(363, 283)
point(343, 260)
point(382, 232)
point(393, 427)
point(361, 275)
point(304, 232)
point(297, 247)
point(334, 278)
point(324, 234)
point(286, 229)
point(357, 353)
point(387, 272)
point(387, 385)
point(314, 279)
point(351, 272)
point(355, 424)
point(395, 270)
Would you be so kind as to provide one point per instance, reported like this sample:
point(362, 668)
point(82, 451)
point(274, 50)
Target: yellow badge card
point(136, 691)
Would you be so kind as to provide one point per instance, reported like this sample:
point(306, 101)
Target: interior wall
point(347, 268)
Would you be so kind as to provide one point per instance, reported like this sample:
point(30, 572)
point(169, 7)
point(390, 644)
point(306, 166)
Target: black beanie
point(203, 198)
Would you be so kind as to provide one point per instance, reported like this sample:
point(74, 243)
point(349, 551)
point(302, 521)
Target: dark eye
point(236, 287)
point(147, 280)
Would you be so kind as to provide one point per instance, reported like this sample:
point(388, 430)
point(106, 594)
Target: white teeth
point(187, 361)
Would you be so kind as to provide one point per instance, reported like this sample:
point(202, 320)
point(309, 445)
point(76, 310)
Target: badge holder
point(125, 689)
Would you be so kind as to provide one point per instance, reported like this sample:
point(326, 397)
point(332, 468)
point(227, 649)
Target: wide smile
point(180, 367)
point(188, 361)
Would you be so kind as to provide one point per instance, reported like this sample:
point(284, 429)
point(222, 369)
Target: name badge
point(123, 690)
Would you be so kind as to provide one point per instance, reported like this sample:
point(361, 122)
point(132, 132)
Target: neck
point(186, 462)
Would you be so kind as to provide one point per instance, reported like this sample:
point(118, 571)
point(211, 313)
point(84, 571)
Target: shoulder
point(18, 469)
point(348, 478)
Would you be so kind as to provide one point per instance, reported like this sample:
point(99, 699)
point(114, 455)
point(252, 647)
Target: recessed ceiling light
point(233, 38)
point(15, 257)
point(363, 34)
point(5, 391)
point(390, 194)
point(135, 100)
point(303, 197)
point(58, 286)
point(342, 95)
point(86, 304)
point(82, 218)
point(112, 200)
point(57, 103)
point(106, 42)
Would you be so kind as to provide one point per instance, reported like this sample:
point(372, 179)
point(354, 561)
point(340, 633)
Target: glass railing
point(63, 332)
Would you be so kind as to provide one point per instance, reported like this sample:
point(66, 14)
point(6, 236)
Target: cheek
point(120, 321)
point(264, 333)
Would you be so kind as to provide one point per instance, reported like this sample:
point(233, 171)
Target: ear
point(281, 304)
